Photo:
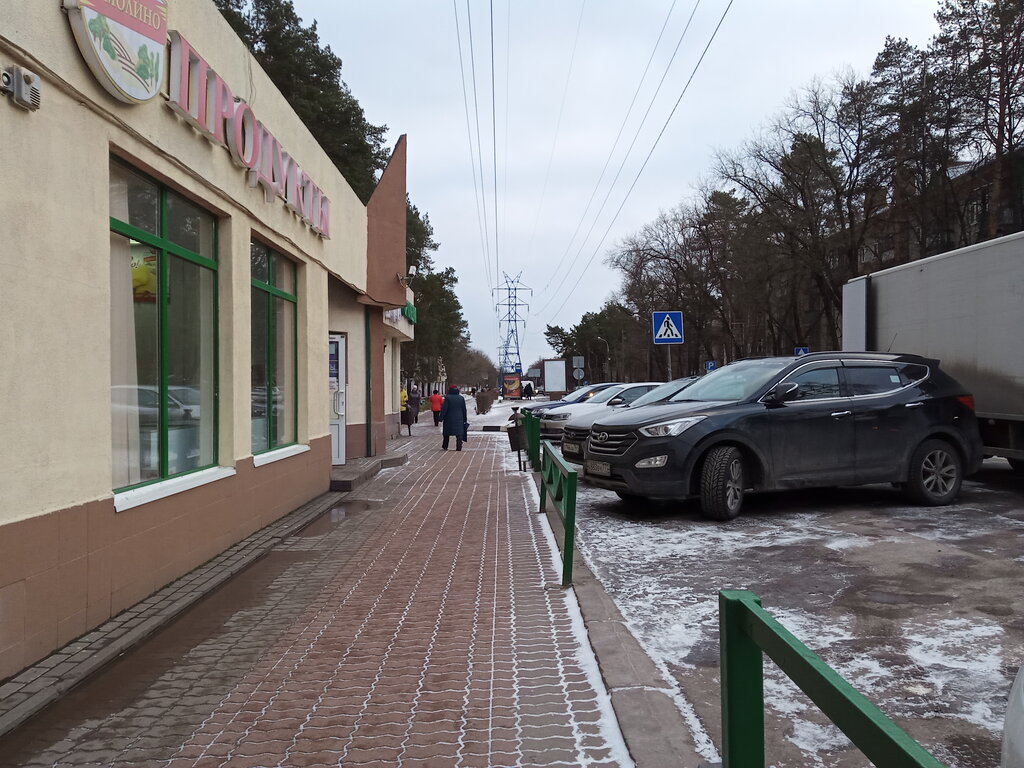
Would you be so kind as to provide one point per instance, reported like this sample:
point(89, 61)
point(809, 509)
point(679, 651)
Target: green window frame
point(274, 280)
point(167, 250)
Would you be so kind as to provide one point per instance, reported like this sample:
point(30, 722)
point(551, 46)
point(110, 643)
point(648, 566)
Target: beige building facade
point(200, 316)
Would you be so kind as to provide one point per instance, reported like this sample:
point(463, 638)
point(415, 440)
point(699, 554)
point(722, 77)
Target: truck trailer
point(964, 308)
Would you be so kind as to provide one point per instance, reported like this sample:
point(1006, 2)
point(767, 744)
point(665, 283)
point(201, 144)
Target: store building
point(199, 316)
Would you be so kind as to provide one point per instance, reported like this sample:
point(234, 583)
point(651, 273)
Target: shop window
point(274, 349)
point(163, 310)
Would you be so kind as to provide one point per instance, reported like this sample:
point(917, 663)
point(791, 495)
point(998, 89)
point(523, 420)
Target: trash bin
point(517, 438)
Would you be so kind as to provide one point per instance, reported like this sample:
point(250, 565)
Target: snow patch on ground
point(962, 660)
point(813, 738)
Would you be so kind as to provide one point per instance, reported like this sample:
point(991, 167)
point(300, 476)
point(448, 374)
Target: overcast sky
point(401, 61)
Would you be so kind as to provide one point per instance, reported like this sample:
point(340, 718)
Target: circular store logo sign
point(123, 42)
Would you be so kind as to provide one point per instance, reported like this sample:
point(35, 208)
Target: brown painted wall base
point(63, 573)
point(355, 441)
point(392, 426)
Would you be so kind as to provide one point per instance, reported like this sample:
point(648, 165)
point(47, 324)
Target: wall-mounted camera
point(25, 88)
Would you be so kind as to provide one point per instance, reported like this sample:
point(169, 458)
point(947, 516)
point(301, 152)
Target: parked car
point(552, 421)
point(823, 419)
point(577, 429)
point(576, 396)
point(144, 400)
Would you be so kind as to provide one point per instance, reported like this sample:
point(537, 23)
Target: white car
point(553, 422)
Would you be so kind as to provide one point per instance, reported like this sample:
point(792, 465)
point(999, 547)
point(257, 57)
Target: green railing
point(532, 426)
point(558, 482)
point(747, 632)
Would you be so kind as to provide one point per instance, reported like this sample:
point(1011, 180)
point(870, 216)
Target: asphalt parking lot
point(921, 609)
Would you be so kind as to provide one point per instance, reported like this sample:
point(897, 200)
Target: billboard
point(554, 376)
point(512, 386)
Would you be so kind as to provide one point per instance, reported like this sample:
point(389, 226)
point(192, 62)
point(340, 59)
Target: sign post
point(667, 328)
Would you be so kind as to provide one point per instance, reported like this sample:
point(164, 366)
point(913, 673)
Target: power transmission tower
point(511, 315)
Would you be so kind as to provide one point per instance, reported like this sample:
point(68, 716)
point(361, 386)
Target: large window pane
point(189, 226)
point(260, 371)
point(283, 274)
point(134, 362)
point(134, 200)
point(259, 256)
point(284, 372)
point(191, 383)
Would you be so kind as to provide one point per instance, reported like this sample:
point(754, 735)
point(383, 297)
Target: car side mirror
point(782, 392)
point(616, 401)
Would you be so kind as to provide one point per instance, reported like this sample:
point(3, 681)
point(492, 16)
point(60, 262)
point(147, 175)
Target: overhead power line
point(622, 164)
point(494, 148)
point(611, 152)
point(558, 126)
point(477, 196)
point(654, 146)
point(479, 146)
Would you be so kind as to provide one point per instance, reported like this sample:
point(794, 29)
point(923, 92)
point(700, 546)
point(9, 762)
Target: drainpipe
point(369, 382)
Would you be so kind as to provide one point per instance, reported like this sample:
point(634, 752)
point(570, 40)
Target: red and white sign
point(123, 42)
point(203, 99)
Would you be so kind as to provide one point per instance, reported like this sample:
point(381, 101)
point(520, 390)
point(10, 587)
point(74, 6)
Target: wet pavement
point(919, 608)
point(416, 624)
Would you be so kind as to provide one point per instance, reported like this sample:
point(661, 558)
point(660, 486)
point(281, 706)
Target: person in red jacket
point(436, 401)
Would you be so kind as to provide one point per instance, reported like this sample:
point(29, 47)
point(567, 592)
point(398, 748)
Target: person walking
point(436, 401)
point(455, 419)
point(414, 403)
point(406, 412)
point(528, 391)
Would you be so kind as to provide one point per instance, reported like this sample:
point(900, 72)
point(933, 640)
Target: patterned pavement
point(420, 624)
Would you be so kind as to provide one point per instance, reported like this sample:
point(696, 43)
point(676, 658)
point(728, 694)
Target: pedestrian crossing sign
point(668, 327)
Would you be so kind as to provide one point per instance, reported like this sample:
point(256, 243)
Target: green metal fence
point(748, 632)
point(558, 482)
point(532, 426)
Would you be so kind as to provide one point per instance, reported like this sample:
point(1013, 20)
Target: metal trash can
point(517, 438)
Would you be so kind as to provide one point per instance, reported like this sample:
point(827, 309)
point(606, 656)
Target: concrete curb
point(38, 686)
point(655, 731)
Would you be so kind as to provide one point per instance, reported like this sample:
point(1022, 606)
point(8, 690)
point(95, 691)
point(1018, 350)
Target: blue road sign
point(668, 327)
point(710, 365)
point(798, 351)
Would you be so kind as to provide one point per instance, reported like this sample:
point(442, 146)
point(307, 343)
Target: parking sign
point(710, 365)
point(668, 327)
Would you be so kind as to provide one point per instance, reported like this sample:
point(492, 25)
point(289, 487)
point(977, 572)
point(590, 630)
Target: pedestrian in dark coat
point(454, 418)
point(414, 403)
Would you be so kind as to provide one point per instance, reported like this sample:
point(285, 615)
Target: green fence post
point(543, 482)
point(569, 525)
point(742, 684)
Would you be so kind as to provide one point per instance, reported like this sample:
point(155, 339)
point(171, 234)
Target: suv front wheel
point(722, 483)
point(936, 473)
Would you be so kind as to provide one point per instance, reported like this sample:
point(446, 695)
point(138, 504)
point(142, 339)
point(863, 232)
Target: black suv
point(823, 419)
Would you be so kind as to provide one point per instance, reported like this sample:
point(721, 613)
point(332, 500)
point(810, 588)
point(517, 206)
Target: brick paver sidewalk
point(426, 630)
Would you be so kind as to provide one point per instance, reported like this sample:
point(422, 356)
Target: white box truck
point(964, 308)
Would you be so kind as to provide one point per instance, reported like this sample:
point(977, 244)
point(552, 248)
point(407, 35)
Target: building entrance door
point(338, 376)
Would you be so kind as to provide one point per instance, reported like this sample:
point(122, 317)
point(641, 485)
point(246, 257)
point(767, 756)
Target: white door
point(338, 375)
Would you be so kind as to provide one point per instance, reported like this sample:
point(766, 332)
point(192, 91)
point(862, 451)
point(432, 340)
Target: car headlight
point(671, 428)
point(557, 417)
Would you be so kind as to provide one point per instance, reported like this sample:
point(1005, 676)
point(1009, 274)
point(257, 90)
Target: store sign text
point(201, 97)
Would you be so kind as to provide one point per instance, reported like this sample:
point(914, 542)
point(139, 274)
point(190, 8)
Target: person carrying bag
point(454, 419)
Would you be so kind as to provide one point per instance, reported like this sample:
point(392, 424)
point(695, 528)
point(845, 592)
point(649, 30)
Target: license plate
point(598, 468)
point(570, 448)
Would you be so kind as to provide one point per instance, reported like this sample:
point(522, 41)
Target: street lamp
point(607, 359)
